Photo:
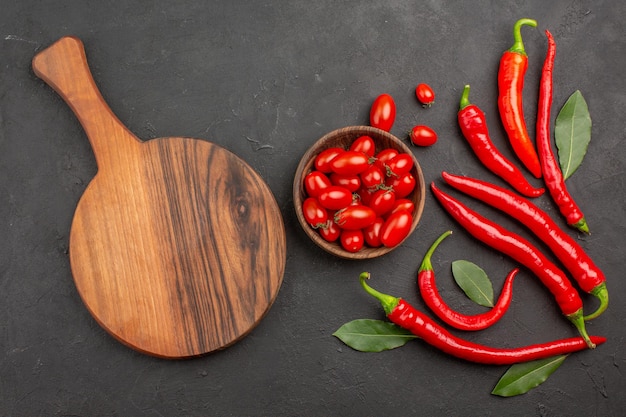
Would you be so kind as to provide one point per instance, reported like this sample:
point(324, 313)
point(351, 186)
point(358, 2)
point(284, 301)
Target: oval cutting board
point(177, 246)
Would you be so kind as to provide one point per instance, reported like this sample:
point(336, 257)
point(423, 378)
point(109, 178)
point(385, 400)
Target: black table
point(265, 80)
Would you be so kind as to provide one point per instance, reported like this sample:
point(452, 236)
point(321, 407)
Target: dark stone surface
point(265, 80)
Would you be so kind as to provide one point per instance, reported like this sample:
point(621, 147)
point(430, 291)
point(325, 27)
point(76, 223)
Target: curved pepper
point(434, 301)
point(513, 66)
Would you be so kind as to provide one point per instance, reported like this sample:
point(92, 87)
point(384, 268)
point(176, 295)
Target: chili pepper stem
point(426, 264)
point(388, 302)
point(579, 322)
point(464, 102)
point(602, 294)
point(582, 226)
point(518, 44)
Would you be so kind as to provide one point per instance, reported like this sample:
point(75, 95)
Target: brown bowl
point(343, 138)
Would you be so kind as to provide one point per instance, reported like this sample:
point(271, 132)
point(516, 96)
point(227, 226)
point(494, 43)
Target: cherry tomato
point(349, 163)
point(322, 160)
point(330, 232)
point(403, 204)
point(396, 228)
point(402, 185)
point(425, 94)
point(383, 112)
point(335, 197)
point(373, 177)
point(314, 213)
point(385, 156)
point(423, 136)
point(352, 240)
point(315, 182)
point(355, 217)
point(365, 195)
point(364, 144)
point(382, 201)
point(351, 182)
point(372, 233)
point(400, 164)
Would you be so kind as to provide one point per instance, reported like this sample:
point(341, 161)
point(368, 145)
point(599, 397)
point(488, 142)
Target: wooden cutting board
point(177, 246)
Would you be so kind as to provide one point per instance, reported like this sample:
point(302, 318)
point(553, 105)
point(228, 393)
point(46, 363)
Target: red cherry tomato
point(402, 185)
point(352, 240)
point(355, 217)
point(349, 163)
point(385, 156)
point(351, 182)
point(383, 112)
point(335, 197)
point(373, 177)
point(382, 201)
point(372, 233)
point(400, 164)
point(330, 232)
point(322, 160)
point(396, 228)
point(423, 136)
point(365, 195)
point(314, 213)
point(315, 182)
point(403, 204)
point(364, 144)
point(425, 94)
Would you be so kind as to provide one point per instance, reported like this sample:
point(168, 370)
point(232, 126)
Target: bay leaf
point(368, 335)
point(522, 377)
point(572, 133)
point(473, 281)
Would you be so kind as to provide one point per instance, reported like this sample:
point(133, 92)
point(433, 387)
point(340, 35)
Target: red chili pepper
point(553, 176)
point(408, 317)
point(590, 278)
point(523, 252)
point(513, 65)
point(432, 298)
point(474, 127)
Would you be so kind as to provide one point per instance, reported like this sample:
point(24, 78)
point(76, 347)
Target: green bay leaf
point(368, 335)
point(572, 133)
point(473, 281)
point(522, 377)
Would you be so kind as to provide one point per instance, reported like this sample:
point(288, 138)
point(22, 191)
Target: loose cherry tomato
point(351, 182)
point(364, 144)
point(315, 182)
point(322, 160)
point(403, 204)
point(383, 112)
point(382, 201)
point(373, 177)
point(400, 164)
point(425, 94)
point(355, 217)
point(396, 228)
point(372, 233)
point(335, 197)
point(330, 232)
point(349, 163)
point(402, 185)
point(423, 136)
point(314, 213)
point(352, 240)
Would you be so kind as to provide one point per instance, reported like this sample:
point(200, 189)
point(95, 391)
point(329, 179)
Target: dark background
point(265, 79)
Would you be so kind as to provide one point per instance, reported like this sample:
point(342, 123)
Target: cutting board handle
point(63, 66)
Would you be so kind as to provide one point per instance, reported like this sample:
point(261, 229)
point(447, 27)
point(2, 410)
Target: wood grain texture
point(177, 246)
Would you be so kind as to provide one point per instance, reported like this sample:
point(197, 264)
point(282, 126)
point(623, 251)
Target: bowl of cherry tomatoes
point(359, 192)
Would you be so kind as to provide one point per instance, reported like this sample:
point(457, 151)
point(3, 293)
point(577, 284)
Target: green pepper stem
point(426, 264)
point(578, 321)
point(518, 44)
point(465, 98)
point(388, 302)
point(602, 294)
point(582, 226)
